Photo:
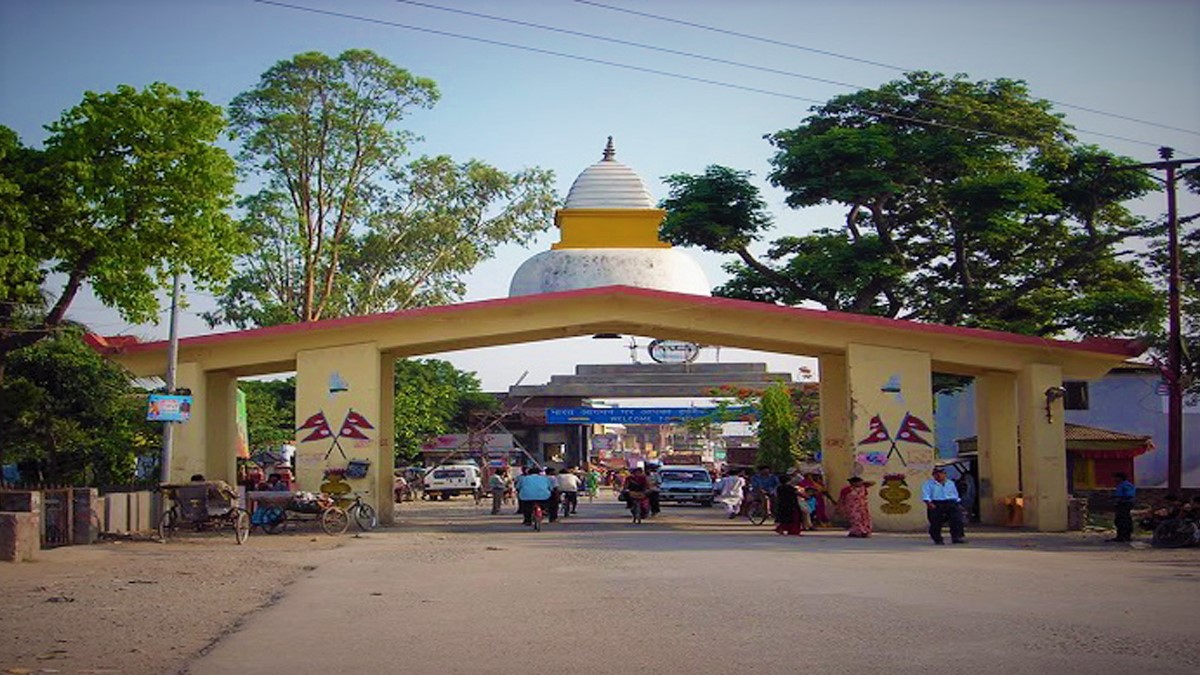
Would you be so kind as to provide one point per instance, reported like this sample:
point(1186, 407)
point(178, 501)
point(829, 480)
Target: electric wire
point(680, 76)
point(714, 59)
point(792, 45)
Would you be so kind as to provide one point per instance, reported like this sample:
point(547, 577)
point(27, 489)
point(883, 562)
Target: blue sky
point(515, 108)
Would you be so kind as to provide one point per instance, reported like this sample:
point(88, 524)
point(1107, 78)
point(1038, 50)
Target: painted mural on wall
point(352, 428)
point(897, 444)
point(895, 494)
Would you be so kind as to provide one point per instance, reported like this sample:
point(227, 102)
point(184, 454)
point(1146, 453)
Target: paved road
point(454, 590)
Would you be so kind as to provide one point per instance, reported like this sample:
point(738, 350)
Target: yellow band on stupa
point(609, 228)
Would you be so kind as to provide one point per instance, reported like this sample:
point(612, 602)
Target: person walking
point(790, 509)
point(1123, 495)
point(499, 483)
point(854, 505)
point(943, 506)
point(732, 487)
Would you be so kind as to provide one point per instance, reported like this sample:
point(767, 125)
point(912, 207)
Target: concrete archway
point(876, 396)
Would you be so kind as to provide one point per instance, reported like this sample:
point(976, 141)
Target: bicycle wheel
point(758, 513)
point(241, 525)
point(334, 521)
point(167, 524)
point(364, 516)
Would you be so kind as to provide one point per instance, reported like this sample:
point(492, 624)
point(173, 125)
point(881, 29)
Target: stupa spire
point(609, 151)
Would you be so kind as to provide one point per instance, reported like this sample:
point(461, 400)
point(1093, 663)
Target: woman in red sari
point(853, 504)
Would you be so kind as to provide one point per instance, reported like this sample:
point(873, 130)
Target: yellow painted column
point(220, 421)
point(1043, 449)
point(387, 438)
point(891, 410)
point(338, 420)
point(189, 445)
point(996, 427)
point(837, 450)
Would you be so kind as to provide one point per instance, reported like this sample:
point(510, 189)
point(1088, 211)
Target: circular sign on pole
point(673, 351)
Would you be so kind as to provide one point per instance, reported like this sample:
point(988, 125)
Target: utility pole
point(1174, 369)
point(172, 363)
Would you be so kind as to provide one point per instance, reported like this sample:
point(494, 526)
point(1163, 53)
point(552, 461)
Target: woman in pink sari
point(852, 502)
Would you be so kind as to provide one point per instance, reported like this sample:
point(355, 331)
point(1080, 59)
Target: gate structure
point(875, 380)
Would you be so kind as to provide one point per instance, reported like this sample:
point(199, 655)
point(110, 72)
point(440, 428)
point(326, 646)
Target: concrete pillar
point(387, 439)
point(891, 407)
point(220, 420)
point(996, 425)
point(339, 419)
point(1043, 448)
point(189, 447)
point(837, 450)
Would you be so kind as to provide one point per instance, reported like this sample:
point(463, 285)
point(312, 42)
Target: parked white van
point(452, 479)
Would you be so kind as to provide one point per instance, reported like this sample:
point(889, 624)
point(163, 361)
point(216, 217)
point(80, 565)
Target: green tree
point(129, 190)
point(270, 412)
point(433, 397)
point(778, 440)
point(341, 225)
point(71, 415)
point(966, 203)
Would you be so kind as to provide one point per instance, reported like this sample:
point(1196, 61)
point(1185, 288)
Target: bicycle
point(759, 510)
point(362, 513)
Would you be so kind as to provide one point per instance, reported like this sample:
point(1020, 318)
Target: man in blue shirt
point(533, 488)
point(1123, 496)
point(942, 506)
point(764, 485)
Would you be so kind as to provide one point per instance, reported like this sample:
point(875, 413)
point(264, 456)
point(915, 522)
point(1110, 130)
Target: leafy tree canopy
point(69, 416)
point(270, 412)
point(128, 190)
point(433, 397)
point(342, 225)
point(966, 203)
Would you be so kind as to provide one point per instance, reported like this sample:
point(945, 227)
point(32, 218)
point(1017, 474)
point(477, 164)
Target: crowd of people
point(798, 502)
point(557, 492)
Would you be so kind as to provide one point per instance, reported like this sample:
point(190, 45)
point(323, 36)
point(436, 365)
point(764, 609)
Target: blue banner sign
point(643, 415)
point(169, 408)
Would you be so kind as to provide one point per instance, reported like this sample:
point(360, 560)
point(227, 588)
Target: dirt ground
point(137, 607)
point(142, 607)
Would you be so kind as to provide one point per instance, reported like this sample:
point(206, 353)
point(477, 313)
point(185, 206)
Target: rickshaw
point(203, 505)
point(274, 510)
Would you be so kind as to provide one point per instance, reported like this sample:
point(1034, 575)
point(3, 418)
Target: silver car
point(684, 484)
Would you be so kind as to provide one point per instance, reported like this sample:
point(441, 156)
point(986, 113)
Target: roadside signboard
point(635, 415)
point(169, 408)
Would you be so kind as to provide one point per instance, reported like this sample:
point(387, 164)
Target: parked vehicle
point(452, 479)
point(685, 484)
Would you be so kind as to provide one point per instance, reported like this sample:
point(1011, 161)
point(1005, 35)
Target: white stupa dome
point(665, 269)
point(608, 184)
point(610, 238)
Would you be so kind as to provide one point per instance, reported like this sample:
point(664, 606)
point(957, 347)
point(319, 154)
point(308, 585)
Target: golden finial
point(609, 151)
